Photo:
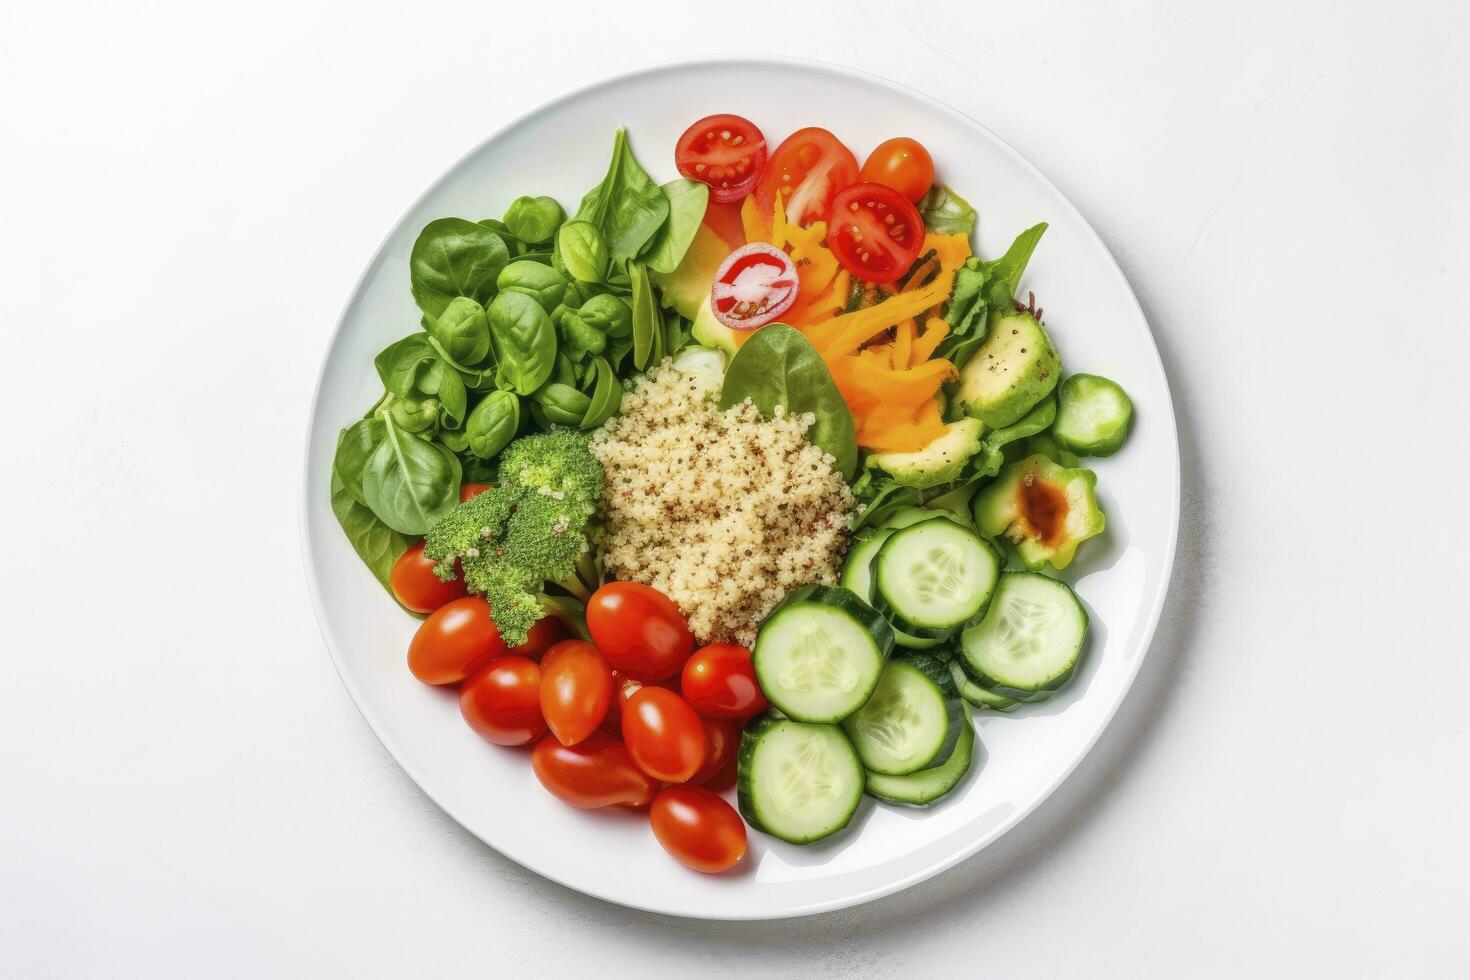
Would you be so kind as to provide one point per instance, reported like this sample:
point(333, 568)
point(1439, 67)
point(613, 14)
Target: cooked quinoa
point(724, 512)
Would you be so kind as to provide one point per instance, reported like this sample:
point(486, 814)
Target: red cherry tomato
point(755, 284)
point(454, 641)
point(417, 587)
point(903, 164)
point(542, 634)
point(625, 687)
point(875, 232)
point(576, 687)
point(639, 630)
point(807, 169)
point(724, 151)
point(726, 778)
point(468, 490)
point(593, 773)
point(724, 220)
point(663, 734)
point(700, 830)
point(721, 745)
point(503, 702)
point(719, 682)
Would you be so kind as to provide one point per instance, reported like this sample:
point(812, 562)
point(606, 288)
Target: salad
point(754, 480)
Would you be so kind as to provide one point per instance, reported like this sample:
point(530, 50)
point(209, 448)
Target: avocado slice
point(688, 286)
point(1014, 369)
point(1045, 509)
point(939, 462)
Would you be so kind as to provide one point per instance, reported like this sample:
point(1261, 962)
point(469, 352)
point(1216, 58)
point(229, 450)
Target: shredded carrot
point(935, 330)
point(756, 229)
point(903, 343)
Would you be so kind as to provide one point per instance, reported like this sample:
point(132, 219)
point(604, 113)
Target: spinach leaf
point(608, 314)
point(524, 341)
point(687, 202)
point(410, 483)
point(582, 251)
point(462, 331)
point(493, 424)
point(355, 446)
point(398, 364)
point(534, 220)
point(445, 384)
point(580, 337)
point(648, 333)
point(540, 282)
point(559, 404)
point(1003, 275)
point(778, 366)
point(880, 496)
point(454, 257)
point(628, 208)
point(946, 213)
point(415, 413)
point(377, 544)
point(606, 396)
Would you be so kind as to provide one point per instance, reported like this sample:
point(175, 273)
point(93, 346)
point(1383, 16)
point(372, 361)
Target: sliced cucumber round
point(902, 727)
point(1030, 640)
point(818, 657)
point(934, 576)
point(1093, 415)
point(929, 785)
point(857, 576)
point(797, 781)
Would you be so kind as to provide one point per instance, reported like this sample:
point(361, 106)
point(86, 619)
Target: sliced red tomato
point(724, 151)
point(594, 773)
point(639, 630)
point(807, 169)
point(417, 587)
point(576, 687)
point(503, 702)
point(755, 284)
point(697, 828)
point(454, 641)
point(903, 164)
point(721, 743)
point(719, 682)
point(875, 232)
point(724, 220)
point(663, 734)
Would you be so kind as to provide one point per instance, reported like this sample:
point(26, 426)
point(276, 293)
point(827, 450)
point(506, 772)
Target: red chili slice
point(755, 284)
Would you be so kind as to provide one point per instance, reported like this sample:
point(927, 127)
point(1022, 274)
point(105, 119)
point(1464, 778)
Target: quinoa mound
point(724, 512)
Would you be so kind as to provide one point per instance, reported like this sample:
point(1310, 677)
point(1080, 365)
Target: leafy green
point(377, 544)
point(540, 282)
point(355, 446)
point(493, 424)
point(454, 257)
point(984, 290)
point(778, 366)
point(410, 483)
point(524, 341)
point(398, 364)
point(687, 202)
point(462, 331)
point(582, 250)
point(946, 213)
point(1003, 275)
point(648, 334)
point(534, 220)
point(628, 208)
point(606, 395)
point(880, 495)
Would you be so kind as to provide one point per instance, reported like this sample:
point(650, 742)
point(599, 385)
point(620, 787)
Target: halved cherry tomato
point(875, 232)
point(808, 168)
point(576, 687)
point(724, 151)
point(539, 638)
point(903, 164)
point(594, 773)
point(454, 641)
point(724, 220)
point(639, 630)
point(719, 682)
point(417, 587)
point(697, 828)
point(663, 734)
point(468, 490)
point(721, 744)
point(503, 702)
point(755, 284)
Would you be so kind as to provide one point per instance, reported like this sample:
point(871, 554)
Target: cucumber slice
point(928, 785)
point(909, 516)
point(976, 694)
point(902, 727)
point(820, 654)
point(1030, 640)
point(934, 576)
point(857, 577)
point(1093, 415)
point(796, 781)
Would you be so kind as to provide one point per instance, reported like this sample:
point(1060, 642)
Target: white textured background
point(188, 193)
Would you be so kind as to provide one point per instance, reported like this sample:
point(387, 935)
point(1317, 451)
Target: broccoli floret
point(529, 530)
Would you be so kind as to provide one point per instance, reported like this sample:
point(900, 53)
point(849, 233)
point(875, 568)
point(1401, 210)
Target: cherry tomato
point(593, 773)
point(542, 634)
point(663, 734)
point(903, 164)
point(755, 284)
point(454, 641)
point(721, 745)
point(503, 702)
point(576, 687)
point(417, 587)
point(697, 828)
point(719, 682)
point(468, 490)
point(724, 151)
point(807, 169)
point(639, 630)
point(875, 232)
point(724, 220)
point(625, 687)
point(724, 779)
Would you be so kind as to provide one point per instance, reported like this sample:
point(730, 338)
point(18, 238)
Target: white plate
point(562, 149)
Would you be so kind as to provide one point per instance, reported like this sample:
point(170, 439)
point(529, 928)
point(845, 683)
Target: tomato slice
point(724, 151)
point(807, 169)
point(875, 232)
point(755, 284)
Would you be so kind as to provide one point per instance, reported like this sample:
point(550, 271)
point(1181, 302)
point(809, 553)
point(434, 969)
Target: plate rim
point(1155, 605)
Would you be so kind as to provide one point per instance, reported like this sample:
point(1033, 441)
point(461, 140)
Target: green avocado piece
point(1044, 509)
point(1014, 369)
point(687, 288)
point(939, 462)
point(710, 332)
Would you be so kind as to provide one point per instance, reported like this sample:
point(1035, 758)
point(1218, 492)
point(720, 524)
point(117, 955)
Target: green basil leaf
point(627, 207)
point(534, 219)
point(687, 202)
point(524, 340)
point(410, 483)
point(559, 404)
point(377, 544)
point(415, 413)
point(493, 423)
point(582, 250)
point(398, 364)
point(454, 257)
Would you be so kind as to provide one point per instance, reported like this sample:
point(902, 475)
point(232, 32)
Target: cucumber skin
point(974, 693)
point(749, 739)
point(1021, 694)
point(882, 787)
point(849, 602)
point(928, 632)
